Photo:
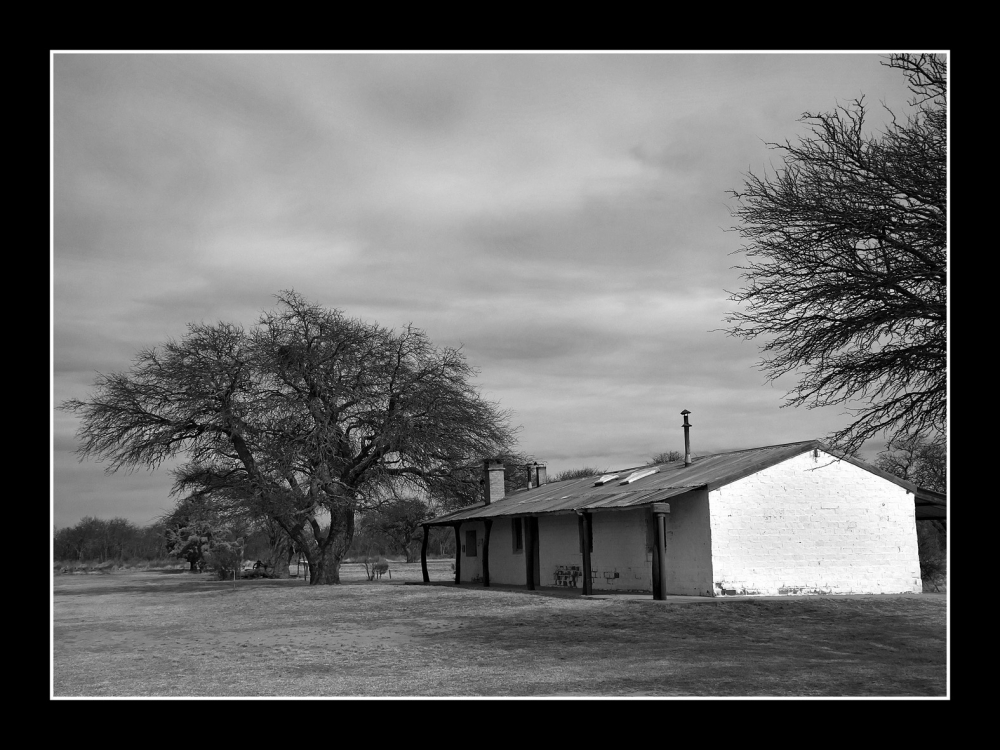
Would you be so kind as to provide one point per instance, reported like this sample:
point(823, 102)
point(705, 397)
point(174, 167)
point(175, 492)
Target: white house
point(780, 520)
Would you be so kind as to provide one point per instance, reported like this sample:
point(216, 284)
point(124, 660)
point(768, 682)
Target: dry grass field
point(173, 633)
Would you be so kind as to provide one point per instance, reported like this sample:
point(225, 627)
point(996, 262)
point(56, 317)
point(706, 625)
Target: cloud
point(560, 216)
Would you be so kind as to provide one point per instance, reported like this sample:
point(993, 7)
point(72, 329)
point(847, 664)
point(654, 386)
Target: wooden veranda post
point(660, 511)
point(458, 554)
point(486, 552)
point(536, 540)
point(529, 561)
point(585, 542)
point(423, 554)
point(654, 519)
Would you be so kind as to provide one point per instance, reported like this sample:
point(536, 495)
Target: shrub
point(666, 457)
point(586, 471)
point(225, 558)
point(373, 565)
point(932, 548)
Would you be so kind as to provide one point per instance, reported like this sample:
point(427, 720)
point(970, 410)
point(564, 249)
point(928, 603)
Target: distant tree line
point(97, 540)
point(583, 471)
point(194, 534)
point(370, 543)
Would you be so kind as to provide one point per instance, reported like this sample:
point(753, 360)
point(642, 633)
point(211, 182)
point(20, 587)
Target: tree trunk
point(284, 538)
point(279, 557)
point(325, 558)
point(325, 567)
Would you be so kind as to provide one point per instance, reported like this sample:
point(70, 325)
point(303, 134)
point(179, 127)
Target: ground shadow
point(175, 586)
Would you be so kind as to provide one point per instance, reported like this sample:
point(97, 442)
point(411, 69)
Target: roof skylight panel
point(638, 475)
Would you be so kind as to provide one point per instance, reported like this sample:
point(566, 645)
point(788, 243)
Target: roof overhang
point(930, 505)
point(509, 507)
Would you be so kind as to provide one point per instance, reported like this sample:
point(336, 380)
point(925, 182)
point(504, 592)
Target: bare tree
point(306, 419)
point(918, 460)
point(923, 462)
point(846, 282)
point(116, 539)
point(397, 525)
point(189, 529)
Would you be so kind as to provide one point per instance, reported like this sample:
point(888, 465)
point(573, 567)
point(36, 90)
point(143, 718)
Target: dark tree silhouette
point(305, 419)
point(397, 526)
point(923, 462)
point(918, 460)
point(847, 249)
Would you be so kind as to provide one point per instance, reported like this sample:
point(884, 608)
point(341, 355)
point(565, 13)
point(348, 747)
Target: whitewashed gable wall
point(811, 525)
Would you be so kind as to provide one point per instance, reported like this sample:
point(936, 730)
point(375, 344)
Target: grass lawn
point(173, 633)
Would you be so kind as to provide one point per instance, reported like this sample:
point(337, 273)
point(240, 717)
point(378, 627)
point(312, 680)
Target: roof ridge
point(736, 450)
point(759, 448)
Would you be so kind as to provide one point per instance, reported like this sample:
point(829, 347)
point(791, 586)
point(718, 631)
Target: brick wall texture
point(813, 525)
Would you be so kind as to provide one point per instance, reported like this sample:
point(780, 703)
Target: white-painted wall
point(807, 525)
point(506, 566)
point(472, 567)
point(689, 545)
point(559, 550)
point(621, 560)
point(812, 525)
point(620, 547)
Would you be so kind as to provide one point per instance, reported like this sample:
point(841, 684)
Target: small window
point(517, 534)
point(470, 543)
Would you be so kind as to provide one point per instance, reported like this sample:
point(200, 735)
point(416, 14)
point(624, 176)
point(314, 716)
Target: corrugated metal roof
point(529, 503)
point(709, 472)
point(671, 480)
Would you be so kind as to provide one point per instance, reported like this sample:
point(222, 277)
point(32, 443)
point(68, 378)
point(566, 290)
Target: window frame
point(517, 535)
point(470, 543)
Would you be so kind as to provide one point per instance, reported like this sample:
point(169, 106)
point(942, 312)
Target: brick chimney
point(537, 475)
point(493, 487)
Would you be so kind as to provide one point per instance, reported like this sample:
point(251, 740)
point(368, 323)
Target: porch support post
point(423, 554)
point(529, 554)
point(536, 540)
point(660, 511)
point(458, 554)
point(486, 552)
point(586, 535)
point(654, 520)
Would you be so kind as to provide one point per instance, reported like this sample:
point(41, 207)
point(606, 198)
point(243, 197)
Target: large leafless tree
point(847, 249)
point(305, 419)
point(917, 459)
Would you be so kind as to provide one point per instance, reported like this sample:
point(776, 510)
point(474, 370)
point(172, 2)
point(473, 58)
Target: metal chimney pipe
point(687, 438)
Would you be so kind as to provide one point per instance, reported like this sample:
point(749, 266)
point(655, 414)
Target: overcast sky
point(562, 217)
